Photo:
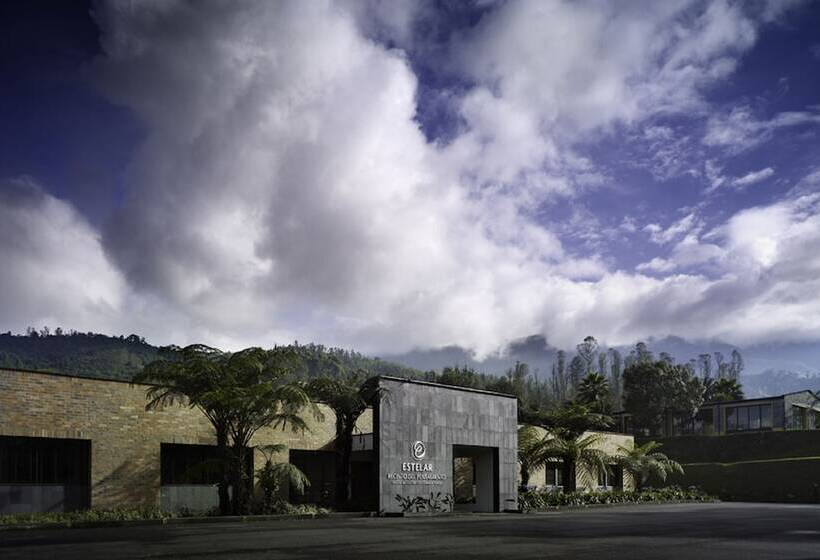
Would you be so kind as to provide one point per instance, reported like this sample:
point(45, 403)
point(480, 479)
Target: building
point(793, 411)
point(550, 476)
point(71, 442)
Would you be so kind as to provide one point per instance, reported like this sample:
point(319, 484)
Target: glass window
point(731, 420)
point(766, 416)
point(754, 418)
point(743, 418)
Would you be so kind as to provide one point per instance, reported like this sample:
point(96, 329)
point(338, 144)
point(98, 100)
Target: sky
point(388, 176)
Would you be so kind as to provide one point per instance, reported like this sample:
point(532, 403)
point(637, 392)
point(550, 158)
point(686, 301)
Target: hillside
point(119, 357)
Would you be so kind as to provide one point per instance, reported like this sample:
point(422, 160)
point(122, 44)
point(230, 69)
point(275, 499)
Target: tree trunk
point(525, 476)
point(344, 449)
point(240, 490)
point(224, 466)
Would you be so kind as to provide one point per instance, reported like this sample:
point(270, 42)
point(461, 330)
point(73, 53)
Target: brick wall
point(125, 438)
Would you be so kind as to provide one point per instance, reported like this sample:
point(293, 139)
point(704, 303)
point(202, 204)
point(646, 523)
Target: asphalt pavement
point(703, 531)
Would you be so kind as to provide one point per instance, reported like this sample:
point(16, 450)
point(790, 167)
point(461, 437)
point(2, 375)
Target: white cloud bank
point(285, 190)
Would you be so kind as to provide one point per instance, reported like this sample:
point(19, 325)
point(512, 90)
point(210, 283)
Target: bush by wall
point(87, 516)
point(535, 500)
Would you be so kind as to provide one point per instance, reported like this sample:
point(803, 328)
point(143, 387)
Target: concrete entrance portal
point(475, 478)
point(438, 444)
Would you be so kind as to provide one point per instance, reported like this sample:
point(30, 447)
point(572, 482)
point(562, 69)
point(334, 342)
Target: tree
point(654, 389)
point(724, 389)
point(577, 371)
point(274, 477)
point(571, 420)
point(594, 392)
point(736, 367)
point(531, 447)
point(238, 393)
point(705, 362)
point(574, 452)
point(722, 366)
point(615, 376)
point(642, 354)
point(348, 395)
point(588, 351)
point(644, 462)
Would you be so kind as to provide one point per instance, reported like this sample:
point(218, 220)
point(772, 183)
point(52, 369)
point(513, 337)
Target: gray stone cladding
point(440, 417)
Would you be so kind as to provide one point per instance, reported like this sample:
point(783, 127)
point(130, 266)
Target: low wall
point(769, 480)
point(741, 447)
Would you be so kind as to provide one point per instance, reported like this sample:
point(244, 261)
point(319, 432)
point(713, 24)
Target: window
point(754, 418)
point(745, 418)
point(555, 476)
point(191, 464)
point(33, 460)
point(731, 420)
point(766, 416)
point(611, 479)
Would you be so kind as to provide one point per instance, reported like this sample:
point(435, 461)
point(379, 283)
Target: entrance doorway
point(475, 478)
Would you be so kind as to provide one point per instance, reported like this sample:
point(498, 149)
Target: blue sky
point(390, 175)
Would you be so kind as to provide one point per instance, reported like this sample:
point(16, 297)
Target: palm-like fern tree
point(274, 477)
point(594, 393)
point(239, 393)
point(531, 446)
point(644, 462)
point(348, 395)
point(574, 452)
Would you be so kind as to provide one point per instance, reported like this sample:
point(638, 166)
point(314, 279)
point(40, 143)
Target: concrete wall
point(585, 480)
point(125, 438)
point(441, 417)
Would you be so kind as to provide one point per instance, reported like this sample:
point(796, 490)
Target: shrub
point(534, 500)
point(87, 516)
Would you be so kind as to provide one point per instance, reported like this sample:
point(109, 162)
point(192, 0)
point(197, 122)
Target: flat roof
point(388, 377)
point(454, 387)
point(71, 375)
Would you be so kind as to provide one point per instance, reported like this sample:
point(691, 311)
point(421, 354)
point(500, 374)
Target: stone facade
point(443, 418)
point(125, 438)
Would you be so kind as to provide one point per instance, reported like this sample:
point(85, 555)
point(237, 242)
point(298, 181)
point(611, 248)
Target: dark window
point(754, 417)
point(766, 416)
point(320, 469)
point(31, 460)
point(191, 464)
point(745, 418)
point(554, 474)
point(731, 420)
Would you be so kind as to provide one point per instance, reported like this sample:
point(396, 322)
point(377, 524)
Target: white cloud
point(753, 177)
point(741, 130)
point(54, 269)
point(285, 191)
point(661, 236)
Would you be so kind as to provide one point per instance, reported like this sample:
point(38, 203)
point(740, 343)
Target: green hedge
point(87, 516)
point(139, 514)
point(742, 447)
point(774, 480)
point(535, 500)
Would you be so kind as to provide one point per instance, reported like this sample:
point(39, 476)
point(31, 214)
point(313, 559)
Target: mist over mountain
point(770, 369)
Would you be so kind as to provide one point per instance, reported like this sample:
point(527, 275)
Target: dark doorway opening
point(475, 478)
point(320, 469)
point(44, 474)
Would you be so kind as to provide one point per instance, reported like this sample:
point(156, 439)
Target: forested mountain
point(86, 354)
point(120, 357)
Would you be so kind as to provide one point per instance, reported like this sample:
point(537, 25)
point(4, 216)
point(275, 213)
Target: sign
point(416, 472)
